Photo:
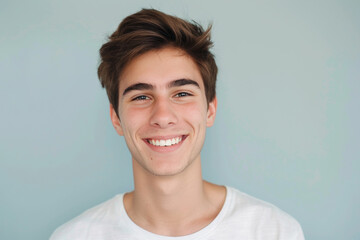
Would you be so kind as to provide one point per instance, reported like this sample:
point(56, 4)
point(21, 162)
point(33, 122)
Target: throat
point(175, 214)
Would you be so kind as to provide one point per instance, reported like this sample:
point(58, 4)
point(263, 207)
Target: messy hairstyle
point(148, 30)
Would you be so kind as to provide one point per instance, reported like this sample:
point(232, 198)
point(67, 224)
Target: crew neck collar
point(197, 235)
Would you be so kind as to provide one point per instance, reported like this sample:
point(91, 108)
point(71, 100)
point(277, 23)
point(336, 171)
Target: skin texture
point(162, 96)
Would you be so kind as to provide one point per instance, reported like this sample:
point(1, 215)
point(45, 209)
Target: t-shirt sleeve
point(277, 224)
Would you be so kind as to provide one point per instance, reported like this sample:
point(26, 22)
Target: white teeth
point(165, 143)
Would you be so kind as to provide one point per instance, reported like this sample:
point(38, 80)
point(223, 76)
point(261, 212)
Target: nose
point(163, 114)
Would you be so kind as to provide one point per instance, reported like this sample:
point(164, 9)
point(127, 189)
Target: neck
point(173, 205)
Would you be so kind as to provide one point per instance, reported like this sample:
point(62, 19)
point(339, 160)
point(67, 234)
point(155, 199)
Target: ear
point(115, 121)
point(211, 112)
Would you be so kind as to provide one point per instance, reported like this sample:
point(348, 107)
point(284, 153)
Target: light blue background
point(287, 129)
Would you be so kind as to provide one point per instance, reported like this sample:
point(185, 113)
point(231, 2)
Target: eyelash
point(140, 98)
point(178, 95)
point(183, 94)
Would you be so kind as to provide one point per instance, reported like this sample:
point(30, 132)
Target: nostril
point(163, 116)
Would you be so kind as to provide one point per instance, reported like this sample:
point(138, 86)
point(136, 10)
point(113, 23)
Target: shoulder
point(263, 218)
point(93, 219)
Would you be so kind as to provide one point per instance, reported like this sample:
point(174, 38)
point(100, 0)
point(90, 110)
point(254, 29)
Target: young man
point(160, 79)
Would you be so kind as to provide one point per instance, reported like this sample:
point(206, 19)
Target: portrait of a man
point(160, 77)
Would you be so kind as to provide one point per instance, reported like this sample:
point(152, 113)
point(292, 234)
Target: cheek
point(194, 113)
point(131, 120)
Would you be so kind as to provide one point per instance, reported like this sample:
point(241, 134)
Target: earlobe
point(115, 121)
point(211, 113)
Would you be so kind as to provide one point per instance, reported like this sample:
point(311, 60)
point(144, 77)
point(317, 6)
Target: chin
point(165, 169)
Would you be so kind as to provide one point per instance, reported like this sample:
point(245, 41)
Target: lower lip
point(164, 149)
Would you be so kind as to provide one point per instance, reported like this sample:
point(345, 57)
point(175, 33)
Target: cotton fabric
point(241, 217)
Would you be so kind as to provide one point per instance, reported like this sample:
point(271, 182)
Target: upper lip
point(164, 137)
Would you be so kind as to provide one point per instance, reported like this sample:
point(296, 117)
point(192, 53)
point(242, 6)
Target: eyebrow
point(182, 82)
point(138, 86)
point(146, 86)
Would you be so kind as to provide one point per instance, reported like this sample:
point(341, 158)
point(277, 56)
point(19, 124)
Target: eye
point(140, 98)
point(183, 94)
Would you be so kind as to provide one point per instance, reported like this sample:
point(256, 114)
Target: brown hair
point(148, 30)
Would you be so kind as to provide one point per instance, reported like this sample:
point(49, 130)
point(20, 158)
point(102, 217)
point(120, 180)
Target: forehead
point(159, 67)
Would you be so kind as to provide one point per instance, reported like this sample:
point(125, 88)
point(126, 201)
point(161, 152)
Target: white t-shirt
point(241, 217)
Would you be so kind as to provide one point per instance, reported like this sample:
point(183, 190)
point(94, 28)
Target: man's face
point(163, 111)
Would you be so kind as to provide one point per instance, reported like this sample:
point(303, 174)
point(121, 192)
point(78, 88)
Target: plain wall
point(287, 128)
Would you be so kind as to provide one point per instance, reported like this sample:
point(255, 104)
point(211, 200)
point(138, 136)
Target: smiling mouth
point(166, 142)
